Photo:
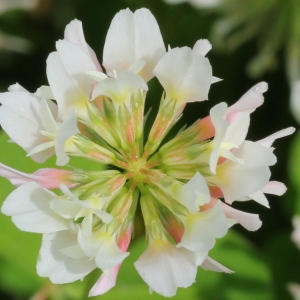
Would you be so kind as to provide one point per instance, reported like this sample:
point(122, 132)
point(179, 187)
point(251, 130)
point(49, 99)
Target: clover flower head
point(184, 183)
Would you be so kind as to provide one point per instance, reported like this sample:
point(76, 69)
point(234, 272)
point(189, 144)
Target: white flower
point(164, 267)
point(66, 71)
point(237, 180)
point(88, 223)
point(131, 38)
point(201, 226)
point(61, 259)
point(191, 75)
point(31, 122)
point(29, 207)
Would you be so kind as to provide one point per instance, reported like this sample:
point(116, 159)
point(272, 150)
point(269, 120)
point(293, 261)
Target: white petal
point(239, 180)
point(45, 92)
point(255, 155)
point(269, 140)
point(202, 228)
point(194, 193)
point(29, 206)
point(202, 47)
point(47, 119)
point(109, 254)
point(58, 267)
point(66, 130)
point(215, 79)
point(212, 265)
point(133, 37)
point(16, 88)
point(103, 247)
point(73, 251)
point(105, 283)
point(74, 34)
point(65, 208)
point(200, 257)
point(250, 100)
point(260, 198)
point(121, 88)
point(65, 90)
point(238, 129)
point(22, 103)
point(165, 268)
point(249, 221)
point(218, 119)
point(184, 75)
point(76, 64)
point(23, 131)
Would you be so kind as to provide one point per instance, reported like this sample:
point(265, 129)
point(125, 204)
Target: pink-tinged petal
point(191, 75)
point(47, 178)
point(202, 47)
point(29, 207)
point(207, 128)
point(105, 283)
point(249, 101)
point(249, 221)
point(66, 130)
point(16, 177)
point(212, 265)
point(59, 267)
point(133, 37)
point(165, 268)
point(274, 188)
point(269, 140)
point(74, 34)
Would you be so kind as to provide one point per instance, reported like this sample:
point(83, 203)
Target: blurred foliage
point(264, 261)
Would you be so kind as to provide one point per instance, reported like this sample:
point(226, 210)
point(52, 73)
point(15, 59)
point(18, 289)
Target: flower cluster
point(184, 184)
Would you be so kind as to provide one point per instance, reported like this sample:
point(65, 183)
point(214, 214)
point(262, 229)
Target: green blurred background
point(264, 261)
